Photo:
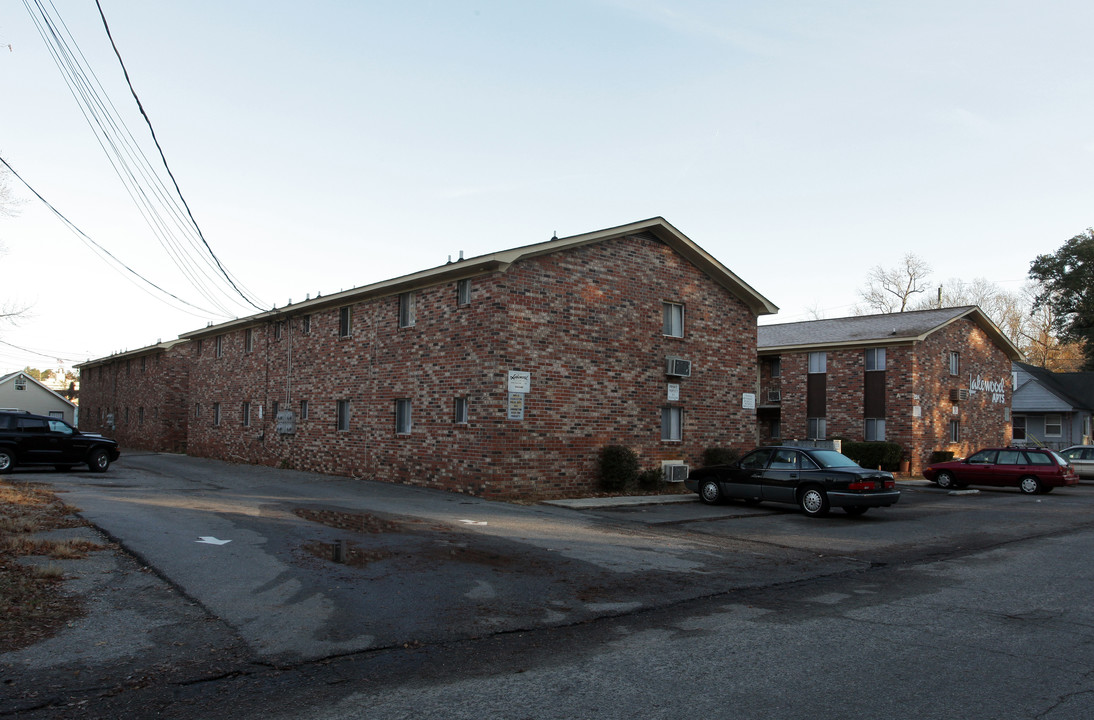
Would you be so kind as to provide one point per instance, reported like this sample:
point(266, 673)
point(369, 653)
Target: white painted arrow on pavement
point(212, 541)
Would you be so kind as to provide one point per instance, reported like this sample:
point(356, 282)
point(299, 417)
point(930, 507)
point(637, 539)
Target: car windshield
point(832, 459)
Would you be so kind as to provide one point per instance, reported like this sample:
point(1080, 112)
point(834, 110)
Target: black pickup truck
point(27, 439)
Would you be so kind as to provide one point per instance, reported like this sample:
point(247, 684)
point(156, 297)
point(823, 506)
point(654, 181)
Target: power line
point(155, 140)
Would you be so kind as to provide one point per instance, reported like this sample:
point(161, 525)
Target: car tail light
point(890, 484)
point(863, 485)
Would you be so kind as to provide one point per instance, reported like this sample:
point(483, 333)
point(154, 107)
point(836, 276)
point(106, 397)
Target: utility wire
point(148, 122)
point(83, 236)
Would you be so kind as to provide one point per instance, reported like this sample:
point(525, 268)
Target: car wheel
point(946, 481)
point(710, 492)
point(813, 502)
point(1030, 485)
point(98, 461)
point(6, 461)
point(856, 510)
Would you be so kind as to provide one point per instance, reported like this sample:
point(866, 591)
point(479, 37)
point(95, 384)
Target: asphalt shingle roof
point(860, 329)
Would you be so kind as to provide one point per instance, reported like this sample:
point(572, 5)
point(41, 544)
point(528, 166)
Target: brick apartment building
point(500, 375)
point(139, 398)
point(928, 380)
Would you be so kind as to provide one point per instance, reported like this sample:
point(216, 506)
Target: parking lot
point(238, 562)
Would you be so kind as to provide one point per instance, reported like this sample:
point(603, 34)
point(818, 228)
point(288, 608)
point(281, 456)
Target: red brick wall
point(147, 394)
point(586, 323)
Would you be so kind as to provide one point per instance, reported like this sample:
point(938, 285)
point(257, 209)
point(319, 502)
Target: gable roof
point(158, 347)
point(657, 227)
point(903, 328)
point(10, 377)
point(1076, 388)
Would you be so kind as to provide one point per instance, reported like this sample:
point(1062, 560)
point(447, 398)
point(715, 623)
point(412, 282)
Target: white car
point(1081, 458)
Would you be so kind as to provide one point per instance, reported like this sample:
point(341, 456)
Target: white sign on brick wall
point(674, 392)
point(520, 382)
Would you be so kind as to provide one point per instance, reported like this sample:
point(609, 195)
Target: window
point(875, 359)
point(875, 430)
point(818, 362)
point(817, 428)
point(197, 353)
point(248, 340)
point(406, 310)
point(305, 325)
point(197, 410)
point(1053, 426)
point(144, 363)
point(126, 415)
point(776, 365)
point(21, 383)
point(674, 320)
point(776, 429)
point(129, 367)
point(1019, 427)
point(303, 409)
point(460, 411)
point(279, 327)
point(955, 363)
point(402, 417)
point(342, 421)
point(463, 292)
point(672, 423)
point(955, 431)
point(245, 412)
point(140, 416)
point(343, 321)
point(276, 407)
point(220, 346)
point(216, 414)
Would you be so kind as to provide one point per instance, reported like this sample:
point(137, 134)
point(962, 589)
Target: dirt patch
point(364, 522)
point(33, 605)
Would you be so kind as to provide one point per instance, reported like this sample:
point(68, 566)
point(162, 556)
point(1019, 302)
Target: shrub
point(886, 455)
point(719, 456)
point(652, 479)
point(618, 467)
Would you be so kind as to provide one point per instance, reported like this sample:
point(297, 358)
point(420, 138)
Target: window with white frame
point(955, 431)
point(460, 411)
point(818, 362)
point(248, 340)
point(817, 428)
point(955, 363)
point(305, 325)
point(216, 414)
point(406, 310)
point(463, 292)
point(303, 409)
point(1054, 426)
point(875, 359)
point(673, 325)
point(21, 383)
point(672, 423)
point(874, 430)
point(279, 327)
point(342, 419)
point(1019, 427)
point(220, 346)
point(403, 421)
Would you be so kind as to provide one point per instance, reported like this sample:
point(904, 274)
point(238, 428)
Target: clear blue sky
point(326, 145)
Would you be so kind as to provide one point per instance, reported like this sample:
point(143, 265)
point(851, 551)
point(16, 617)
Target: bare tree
point(891, 290)
point(10, 312)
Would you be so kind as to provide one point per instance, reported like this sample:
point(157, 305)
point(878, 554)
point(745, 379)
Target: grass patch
point(33, 605)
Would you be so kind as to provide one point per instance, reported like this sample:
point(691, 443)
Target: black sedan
point(814, 480)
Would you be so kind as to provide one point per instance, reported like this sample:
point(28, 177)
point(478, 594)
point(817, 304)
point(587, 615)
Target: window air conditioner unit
point(677, 367)
point(774, 396)
point(959, 394)
point(674, 471)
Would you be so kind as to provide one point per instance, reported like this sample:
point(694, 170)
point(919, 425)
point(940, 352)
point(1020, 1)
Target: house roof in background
point(10, 377)
point(1076, 388)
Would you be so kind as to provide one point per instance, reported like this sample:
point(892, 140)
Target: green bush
point(652, 479)
point(618, 467)
point(719, 456)
point(886, 455)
